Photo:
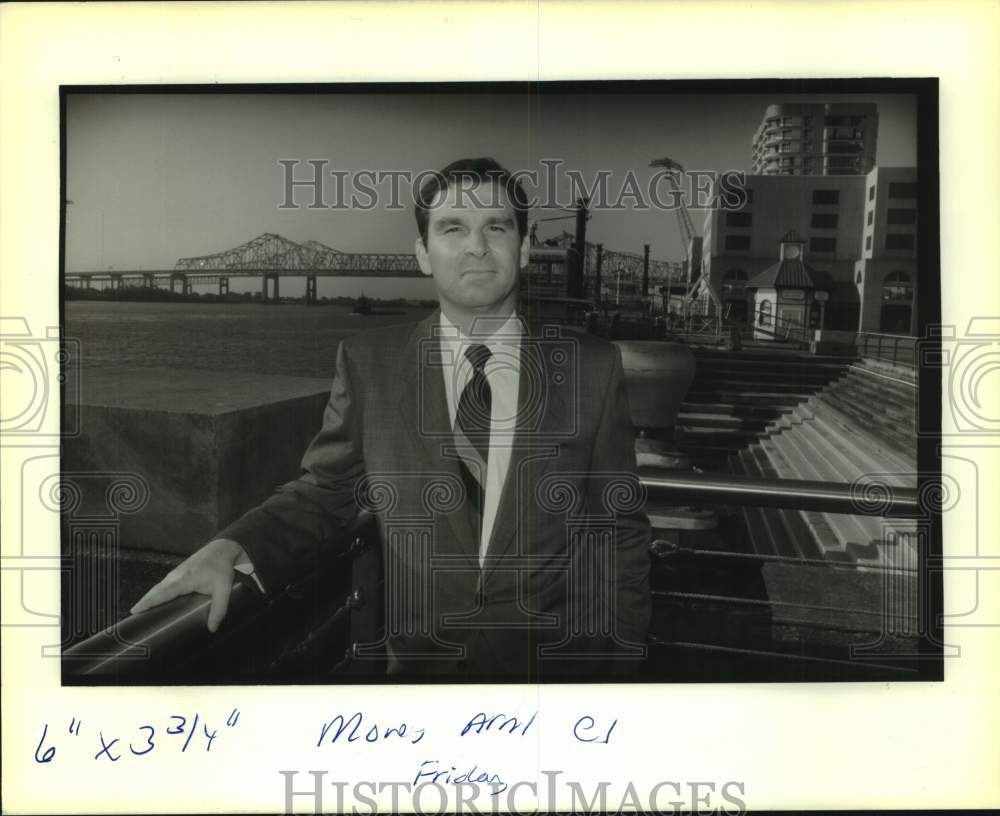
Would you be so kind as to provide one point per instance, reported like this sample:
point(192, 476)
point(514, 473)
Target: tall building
point(821, 139)
point(859, 231)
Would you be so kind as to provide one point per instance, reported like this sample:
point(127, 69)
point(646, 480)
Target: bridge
point(271, 257)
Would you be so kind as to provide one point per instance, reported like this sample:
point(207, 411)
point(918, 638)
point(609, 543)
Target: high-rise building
point(820, 139)
point(859, 231)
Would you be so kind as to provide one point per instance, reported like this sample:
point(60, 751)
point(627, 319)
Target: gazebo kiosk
point(789, 297)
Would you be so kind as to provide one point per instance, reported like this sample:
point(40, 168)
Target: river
point(289, 339)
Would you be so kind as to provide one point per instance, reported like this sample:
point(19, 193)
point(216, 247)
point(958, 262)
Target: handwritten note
point(350, 730)
point(482, 727)
point(181, 730)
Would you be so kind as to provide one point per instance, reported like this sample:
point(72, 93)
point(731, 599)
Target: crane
point(683, 217)
point(686, 227)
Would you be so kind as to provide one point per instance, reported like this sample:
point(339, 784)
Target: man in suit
point(497, 454)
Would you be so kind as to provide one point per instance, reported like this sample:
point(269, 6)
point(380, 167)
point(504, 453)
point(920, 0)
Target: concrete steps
point(773, 531)
point(883, 405)
point(786, 415)
point(871, 454)
point(840, 538)
point(735, 395)
point(841, 435)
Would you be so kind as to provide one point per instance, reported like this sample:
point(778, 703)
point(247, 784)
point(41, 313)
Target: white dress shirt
point(503, 372)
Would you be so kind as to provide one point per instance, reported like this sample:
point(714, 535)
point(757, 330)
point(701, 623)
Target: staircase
point(735, 395)
point(829, 572)
point(859, 430)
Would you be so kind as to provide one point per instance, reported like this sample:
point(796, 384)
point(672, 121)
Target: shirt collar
point(505, 340)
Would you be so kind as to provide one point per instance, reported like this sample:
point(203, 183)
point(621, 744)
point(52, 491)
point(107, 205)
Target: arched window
point(734, 283)
point(897, 287)
point(897, 303)
point(764, 315)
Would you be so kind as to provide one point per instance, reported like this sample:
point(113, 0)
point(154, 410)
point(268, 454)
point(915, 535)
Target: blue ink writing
point(194, 727)
point(211, 736)
point(106, 748)
point(49, 752)
point(586, 724)
point(429, 771)
point(149, 741)
point(370, 733)
point(143, 741)
point(510, 725)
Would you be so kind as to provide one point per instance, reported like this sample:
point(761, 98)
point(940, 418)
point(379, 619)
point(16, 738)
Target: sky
point(156, 177)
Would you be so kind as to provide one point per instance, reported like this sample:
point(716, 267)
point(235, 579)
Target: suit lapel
point(542, 414)
point(424, 409)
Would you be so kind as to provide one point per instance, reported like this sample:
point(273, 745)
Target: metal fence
point(898, 349)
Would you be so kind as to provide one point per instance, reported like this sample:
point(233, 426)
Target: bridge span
point(270, 257)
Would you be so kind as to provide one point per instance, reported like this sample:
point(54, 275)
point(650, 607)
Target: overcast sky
point(154, 178)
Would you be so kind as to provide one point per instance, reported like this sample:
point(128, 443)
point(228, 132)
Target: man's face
point(473, 250)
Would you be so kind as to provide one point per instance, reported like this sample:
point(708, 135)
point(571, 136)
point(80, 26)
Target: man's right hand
point(208, 571)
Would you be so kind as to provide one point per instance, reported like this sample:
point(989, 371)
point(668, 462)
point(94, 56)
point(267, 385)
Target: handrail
point(141, 642)
point(136, 643)
point(861, 498)
point(873, 373)
point(786, 328)
point(887, 334)
point(908, 343)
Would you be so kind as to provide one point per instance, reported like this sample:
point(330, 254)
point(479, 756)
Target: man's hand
point(208, 571)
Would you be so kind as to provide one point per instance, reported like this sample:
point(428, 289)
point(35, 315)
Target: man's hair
point(471, 172)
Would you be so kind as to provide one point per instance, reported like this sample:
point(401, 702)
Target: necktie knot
point(477, 355)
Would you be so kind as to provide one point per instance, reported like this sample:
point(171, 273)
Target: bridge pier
point(188, 285)
point(311, 290)
point(149, 280)
point(116, 282)
point(277, 291)
point(223, 286)
point(645, 270)
point(85, 279)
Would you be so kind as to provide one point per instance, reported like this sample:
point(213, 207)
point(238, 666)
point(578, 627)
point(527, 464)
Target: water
point(291, 339)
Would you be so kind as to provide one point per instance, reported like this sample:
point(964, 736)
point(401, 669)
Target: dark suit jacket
point(564, 591)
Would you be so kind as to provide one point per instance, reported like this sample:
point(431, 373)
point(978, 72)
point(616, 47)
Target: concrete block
point(210, 444)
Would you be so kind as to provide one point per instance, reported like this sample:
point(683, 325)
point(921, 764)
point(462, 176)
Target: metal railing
point(898, 349)
point(176, 631)
point(148, 642)
point(782, 328)
point(705, 488)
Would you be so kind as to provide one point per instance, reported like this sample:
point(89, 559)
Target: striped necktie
point(472, 433)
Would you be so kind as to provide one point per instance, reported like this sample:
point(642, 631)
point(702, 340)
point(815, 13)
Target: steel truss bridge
point(271, 257)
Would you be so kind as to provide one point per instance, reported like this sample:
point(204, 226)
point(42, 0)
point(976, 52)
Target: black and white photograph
point(572, 382)
point(499, 407)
